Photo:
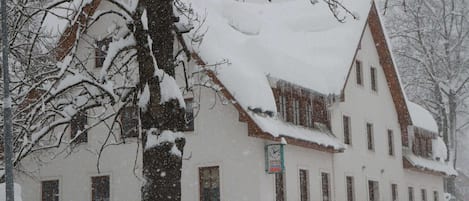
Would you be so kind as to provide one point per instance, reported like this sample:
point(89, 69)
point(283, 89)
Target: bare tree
point(430, 38)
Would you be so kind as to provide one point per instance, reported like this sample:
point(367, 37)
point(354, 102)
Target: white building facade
point(342, 146)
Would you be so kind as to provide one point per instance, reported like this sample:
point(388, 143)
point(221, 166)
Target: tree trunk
point(161, 169)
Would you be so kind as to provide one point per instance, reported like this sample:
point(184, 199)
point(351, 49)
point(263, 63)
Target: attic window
point(129, 121)
point(374, 84)
point(359, 72)
point(77, 124)
point(283, 107)
point(309, 115)
point(101, 51)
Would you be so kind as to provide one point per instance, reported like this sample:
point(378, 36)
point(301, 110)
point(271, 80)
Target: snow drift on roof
point(279, 128)
point(428, 164)
point(421, 117)
point(295, 41)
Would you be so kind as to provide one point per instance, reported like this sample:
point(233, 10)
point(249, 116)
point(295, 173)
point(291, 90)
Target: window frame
point(350, 195)
point(411, 193)
point(93, 191)
point(304, 184)
point(347, 129)
point(201, 181)
point(309, 114)
point(125, 113)
point(423, 194)
point(371, 189)
point(391, 144)
point(189, 121)
point(394, 192)
point(79, 122)
point(436, 195)
point(359, 72)
point(328, 186)
point(100, 54)
point(296, 111)
point(370, 137)
point(57, 195)
point(374, 79)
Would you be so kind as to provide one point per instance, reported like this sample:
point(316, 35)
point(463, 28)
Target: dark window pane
point(279, 187)
point(209, 178)
point(394, 193)
point(411, 193)
point(101, 51)
point(100, 188)
point(50, 190)
point(326, 195)
point(358, 67)
point(77, 124)
point(129, 121)
point(390, 143)
point(373, 79)
point(369, 134)
point(350, 188)
point(189, 115)
point(373, 190)
point(346, 124)
point(304, 185)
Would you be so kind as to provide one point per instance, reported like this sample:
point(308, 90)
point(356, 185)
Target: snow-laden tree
point(431, 44)
point(53, 86)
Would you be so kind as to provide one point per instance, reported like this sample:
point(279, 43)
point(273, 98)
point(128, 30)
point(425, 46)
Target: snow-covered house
point(318, 99)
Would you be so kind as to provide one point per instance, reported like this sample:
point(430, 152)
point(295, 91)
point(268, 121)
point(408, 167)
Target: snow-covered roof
point(279, 128)
point(430, 165)
point(293, 40)
point(421, 117)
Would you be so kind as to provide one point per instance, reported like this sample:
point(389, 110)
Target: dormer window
point(300, 106)
point(422, 143)
point(296, 112)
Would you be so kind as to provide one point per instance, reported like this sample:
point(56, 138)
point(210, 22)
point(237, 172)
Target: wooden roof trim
point(390, 72)
point(253, 129)
point(67, 39)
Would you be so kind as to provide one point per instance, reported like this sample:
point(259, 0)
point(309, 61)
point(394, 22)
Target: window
point(309, 115)
point(373, 190)
point(304, 185)
point(435, 196)
point(283, 107)
point(394, 193)
point(374, 84)
point(424, 194)
point(326, 194)
point(209, 178)
point(100, 188)
point(77, 126)
point(50, 190)
point(189, 115)
point(346, 125)
point(101, 51)
point(350, 188)
point(358, 68)
point(390, 143)
point(129, 121)
point(369, 136)
point(296, 112)
point(411, 193)
point(279, 187)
